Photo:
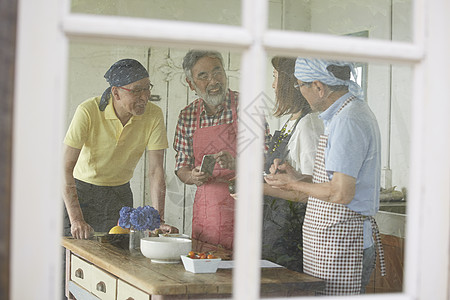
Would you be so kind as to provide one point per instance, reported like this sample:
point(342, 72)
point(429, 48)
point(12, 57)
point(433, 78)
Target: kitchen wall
point(211, 11)
point(388, 91)
point(388, 86)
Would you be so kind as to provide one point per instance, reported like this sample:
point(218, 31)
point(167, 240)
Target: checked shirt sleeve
point(183, 140)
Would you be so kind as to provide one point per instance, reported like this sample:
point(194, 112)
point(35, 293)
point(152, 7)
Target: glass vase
point(135, 239)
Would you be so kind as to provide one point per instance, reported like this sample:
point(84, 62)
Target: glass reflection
point(171, 92)
point(388, 20)
point(387, 90)
point(195, 92)
point(214, 11)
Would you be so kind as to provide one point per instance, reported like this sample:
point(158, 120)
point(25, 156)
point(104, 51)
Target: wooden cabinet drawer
point(126, 291)
point(81, 272)
point(101, 284)
point(104, 285)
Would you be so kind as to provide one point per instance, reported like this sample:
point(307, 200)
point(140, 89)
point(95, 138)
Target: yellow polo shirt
point(110, 151)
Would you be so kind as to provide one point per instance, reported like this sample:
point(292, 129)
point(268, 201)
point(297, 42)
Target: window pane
point(387, 91)
point(87, 66)
point(171, 92)
point(388, 20)
point(215, 11)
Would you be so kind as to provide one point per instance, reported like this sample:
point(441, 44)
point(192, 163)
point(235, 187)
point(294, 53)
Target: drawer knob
point(130, 298)
point(101, 287)
point(79, 273)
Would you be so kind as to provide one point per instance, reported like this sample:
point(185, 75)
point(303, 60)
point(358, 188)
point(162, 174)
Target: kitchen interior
point(388, 91)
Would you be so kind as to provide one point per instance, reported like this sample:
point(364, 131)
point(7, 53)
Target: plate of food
point(200, 262)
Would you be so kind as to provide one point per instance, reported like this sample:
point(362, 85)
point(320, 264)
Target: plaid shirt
point(187, 124)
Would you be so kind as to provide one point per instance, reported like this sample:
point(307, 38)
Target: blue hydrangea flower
point(124, 220)
point(153, 216)
point(140, 218)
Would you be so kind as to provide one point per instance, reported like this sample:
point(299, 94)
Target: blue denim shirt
point(354, 149)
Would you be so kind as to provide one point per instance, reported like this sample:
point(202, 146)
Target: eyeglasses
point(208, 76)
point(298, 86)
point(138, 92)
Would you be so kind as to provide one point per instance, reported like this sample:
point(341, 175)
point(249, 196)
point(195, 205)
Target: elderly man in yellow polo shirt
point(102, 147)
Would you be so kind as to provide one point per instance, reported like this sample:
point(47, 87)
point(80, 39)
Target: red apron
point(213, 213)
point(333, 237)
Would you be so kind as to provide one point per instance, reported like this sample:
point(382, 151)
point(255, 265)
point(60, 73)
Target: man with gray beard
point(208, 126)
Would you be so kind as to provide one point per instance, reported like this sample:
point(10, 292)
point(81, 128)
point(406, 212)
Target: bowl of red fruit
point(200, 262)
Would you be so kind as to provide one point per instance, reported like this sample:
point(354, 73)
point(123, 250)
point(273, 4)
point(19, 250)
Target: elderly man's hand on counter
point(81, 230)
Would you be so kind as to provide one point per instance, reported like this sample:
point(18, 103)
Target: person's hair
point(191, 58)
point(340, 72)
point(289, 99)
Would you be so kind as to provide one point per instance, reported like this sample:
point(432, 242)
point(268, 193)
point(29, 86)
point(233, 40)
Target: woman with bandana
point(104, 142)
point(338, 243)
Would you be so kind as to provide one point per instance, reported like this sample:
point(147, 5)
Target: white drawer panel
point(126, 291)
point(81, 272)
point(104, 285)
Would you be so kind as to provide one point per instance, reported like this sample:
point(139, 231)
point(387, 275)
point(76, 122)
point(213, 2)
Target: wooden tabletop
point(173, 279)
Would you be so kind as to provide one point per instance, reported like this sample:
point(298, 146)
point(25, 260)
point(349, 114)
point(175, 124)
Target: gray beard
point(212, 100)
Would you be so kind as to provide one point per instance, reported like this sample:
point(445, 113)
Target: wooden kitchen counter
point(173, 279)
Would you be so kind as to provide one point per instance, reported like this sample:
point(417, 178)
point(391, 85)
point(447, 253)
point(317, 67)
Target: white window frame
point(46, 26)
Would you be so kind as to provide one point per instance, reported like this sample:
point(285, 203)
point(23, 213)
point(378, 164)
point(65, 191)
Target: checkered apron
point(333, 237)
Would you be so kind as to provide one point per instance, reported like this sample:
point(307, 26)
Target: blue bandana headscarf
point(308, 70)
point(121, 73)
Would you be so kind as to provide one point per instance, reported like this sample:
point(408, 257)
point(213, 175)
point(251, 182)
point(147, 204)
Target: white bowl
point(176, 235)
point(165, 249)
point(200, 265)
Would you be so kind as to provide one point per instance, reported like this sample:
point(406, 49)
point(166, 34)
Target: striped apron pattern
point(333, 237)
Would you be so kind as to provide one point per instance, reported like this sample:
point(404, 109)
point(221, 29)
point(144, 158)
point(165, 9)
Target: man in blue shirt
point(344, 195)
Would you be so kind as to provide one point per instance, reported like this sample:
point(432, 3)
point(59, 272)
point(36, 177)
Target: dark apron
point(282, 238)
point(100, 205)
